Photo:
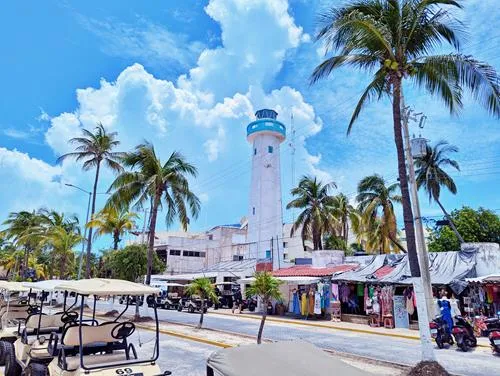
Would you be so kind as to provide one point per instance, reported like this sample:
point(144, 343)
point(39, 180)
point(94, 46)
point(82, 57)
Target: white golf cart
point(14, 310)
point(170, 296)
point(101, 348)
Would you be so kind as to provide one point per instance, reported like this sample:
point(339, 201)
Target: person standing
point(238, 300)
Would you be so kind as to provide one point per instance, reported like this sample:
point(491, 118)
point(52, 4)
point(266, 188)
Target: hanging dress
point(317, 303)
point(296, 304)
point(311, 302)
point(303, 304)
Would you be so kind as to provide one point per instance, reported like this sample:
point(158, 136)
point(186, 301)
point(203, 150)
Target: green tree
point(431, 176)
point(267, 288)
point(343, 213)
point(335, 242)
point(62, 242)
point(130, 263)
point(203, 288)
point(480, 225)
point(312, 196)
point(94, 149)
point(395, 39)
point(156, 184)
point(114, 221)
point(376, 203)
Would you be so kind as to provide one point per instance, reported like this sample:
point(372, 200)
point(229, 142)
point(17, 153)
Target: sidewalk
point(347, 326)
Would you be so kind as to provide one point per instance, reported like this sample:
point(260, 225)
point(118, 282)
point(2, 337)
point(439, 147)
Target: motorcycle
point(440, 332)
point(493, 326)
point(464, 334)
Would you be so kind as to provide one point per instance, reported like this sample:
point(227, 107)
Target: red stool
point(388, 321)
point(374, 320)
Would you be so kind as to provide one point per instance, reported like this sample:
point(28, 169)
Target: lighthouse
point(265, 222)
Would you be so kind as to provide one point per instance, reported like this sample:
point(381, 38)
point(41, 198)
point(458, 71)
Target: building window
point(253, 210)
point(193, 254)
point(285, 244)
point(254, 151)
point(237, 257)
point(269, 149)
point(175, 252)
point(268, 254)
point(285, 256)
point(210, 237)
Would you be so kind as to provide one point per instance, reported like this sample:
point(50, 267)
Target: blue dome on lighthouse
point(266, 122)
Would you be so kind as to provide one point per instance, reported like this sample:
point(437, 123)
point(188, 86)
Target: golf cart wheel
point(205, 310)
point(191, 309)
point(36, 369)
point(11, 366)
point(2, 353)
point(251, 307)
point(179, 308)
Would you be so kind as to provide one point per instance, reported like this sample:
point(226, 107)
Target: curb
point(355, 330)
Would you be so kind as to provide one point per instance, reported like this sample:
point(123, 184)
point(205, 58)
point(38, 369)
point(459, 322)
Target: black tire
point(11, 366)
point(205, 310)
point(451, 341)
point(36, 369)
point(439, 343)
point(473, 342)
point(191, 309)
point(2, 353)
point(462, 346)
point(179, 308)
point(251, 307)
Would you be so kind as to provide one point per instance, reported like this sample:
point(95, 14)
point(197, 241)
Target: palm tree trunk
point(92, 211)
point(397, 244)
point(452, 225)
point(137, 314)
point(25, 262)
point(151, 240)
point(261, 327)
point(346, 231)
point(200, 324)
point(116, 239)
point(403, 180)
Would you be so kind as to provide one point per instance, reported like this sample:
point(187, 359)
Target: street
point(478, 362)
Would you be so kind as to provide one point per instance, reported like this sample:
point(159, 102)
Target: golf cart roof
point(279, 358)
point(13, 286)
point(226, 283)
point(103, 287)
point(48, 285)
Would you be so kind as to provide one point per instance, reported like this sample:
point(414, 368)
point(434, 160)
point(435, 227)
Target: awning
point(492, 278)
point(366, 273)
point(309, 271)
point(302, 358)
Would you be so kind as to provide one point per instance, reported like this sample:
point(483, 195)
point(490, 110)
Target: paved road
point(478, 362)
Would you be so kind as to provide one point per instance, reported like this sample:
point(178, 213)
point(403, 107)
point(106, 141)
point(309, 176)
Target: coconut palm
point(205, 290)
point(156, 184)
point(95, 149)
point(431, 176)
point(344, 214)
point(376, 202)
point(267, 288)
point(114, 221)
point(62, 242)
point(315, 220)
point(51, 218)
point(23, 230)
point(394, 39)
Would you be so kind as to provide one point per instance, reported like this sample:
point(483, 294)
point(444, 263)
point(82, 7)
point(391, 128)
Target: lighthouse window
point(269, 149)
point(255, 151)
point(253, 210)
point(268, 253)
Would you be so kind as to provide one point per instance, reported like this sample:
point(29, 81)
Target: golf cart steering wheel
point(123, 330)
point(70, 316)
point(33, 310)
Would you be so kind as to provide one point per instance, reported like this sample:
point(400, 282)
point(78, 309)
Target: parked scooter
point(440, 332)
point(464, 334)
point(493, 326)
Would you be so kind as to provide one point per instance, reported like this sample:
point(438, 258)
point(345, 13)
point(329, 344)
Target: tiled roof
point(309, 271)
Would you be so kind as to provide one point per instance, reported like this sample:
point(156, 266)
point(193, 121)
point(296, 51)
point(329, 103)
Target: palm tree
point(114, 221)
point(156, 184)
point(343, 213)
point(62, 243)
point(22, 229)
point(394, 38)
point(431, 176)
point(51, 218)
point(313, 197)
point(94, 149)
point(376, 202)
point(267, 288)
point(205, 290)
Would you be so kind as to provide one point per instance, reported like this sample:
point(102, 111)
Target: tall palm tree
point(114, 221)
point(431, 176)
point(394, 39)
point(376, 202)
point(314, 198)
point(203, 288)
point(344, 214)
point(51, 218)
point(267, 288)
point(94, 149)
point(62, 243)
point(22, 229)
point(157, 184)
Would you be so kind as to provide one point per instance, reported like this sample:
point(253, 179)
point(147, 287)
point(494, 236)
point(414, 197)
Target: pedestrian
point(238, 300)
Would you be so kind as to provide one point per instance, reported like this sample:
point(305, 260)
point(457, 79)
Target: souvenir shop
point(481, 300)
point(309, 298)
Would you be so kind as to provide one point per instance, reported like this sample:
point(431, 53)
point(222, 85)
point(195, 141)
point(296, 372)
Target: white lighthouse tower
point(265, 222)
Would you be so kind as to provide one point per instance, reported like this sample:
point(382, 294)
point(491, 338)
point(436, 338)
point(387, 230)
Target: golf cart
point(302, 358)
point(192, 304)
point(101, 348)
point(224, 291)
point(170, 296)
point(14, 310)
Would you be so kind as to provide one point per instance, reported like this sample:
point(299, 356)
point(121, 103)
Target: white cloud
point(16, 133)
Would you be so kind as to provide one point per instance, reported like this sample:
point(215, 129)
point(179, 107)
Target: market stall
point(482, 301)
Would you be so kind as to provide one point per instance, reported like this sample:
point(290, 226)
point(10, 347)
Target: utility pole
point(84, 236)
point(422, 285)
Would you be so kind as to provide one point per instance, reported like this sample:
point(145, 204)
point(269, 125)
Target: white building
point(265, 223)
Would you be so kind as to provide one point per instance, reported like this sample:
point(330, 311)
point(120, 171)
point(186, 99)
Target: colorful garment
point(335, 292)
point(310, 308)
point(303, 304)
point(317, 303)
point(296, 305)
point(360, 290)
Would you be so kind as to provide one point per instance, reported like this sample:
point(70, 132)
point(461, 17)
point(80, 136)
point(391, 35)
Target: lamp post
point(84, 226)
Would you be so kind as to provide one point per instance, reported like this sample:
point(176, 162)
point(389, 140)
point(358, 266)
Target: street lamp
point(84, 226)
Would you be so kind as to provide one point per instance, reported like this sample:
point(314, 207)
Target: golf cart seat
point(105, 343)
point(14, 311)
point(48, 324)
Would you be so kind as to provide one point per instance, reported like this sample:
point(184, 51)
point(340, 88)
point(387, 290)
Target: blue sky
point(188, 75)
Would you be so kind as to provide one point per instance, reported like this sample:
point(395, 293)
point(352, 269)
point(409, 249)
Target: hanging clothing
point(335, 292)
point(303, 304)
point(489, 294)
point(296, 306)
point(371, 291)
point(360, 290)
point(410, 308)
point(317, 303)
point(325, 301)
point(344, 293)
point(310, 308)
